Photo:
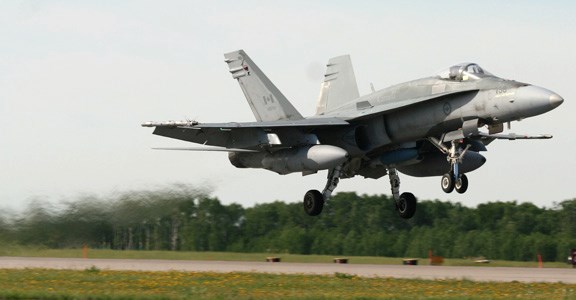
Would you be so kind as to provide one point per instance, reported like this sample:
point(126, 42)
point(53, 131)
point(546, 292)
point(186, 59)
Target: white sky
point(78, 77)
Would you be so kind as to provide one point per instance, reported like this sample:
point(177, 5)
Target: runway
point(566, 275)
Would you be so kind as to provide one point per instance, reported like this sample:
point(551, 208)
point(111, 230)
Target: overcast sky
point(77, 78)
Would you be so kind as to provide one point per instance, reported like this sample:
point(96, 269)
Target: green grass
point(93, 283)
point(230, 256)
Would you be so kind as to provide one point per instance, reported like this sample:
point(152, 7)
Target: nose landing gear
point(459, 184)
point(453, 180)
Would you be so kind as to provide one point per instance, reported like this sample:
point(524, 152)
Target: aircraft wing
point(249, 135)
point(314, 122)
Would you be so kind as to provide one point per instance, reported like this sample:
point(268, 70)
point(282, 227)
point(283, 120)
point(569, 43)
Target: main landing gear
point(314, 200)
point(405, 202)
point(453, 180)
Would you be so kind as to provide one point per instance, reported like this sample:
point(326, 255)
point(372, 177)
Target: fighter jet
point(434, 126)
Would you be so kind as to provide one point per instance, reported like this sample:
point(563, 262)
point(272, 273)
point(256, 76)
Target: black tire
point(447, 183)
point(406, 205)
point(461, 184)
point(313, 202)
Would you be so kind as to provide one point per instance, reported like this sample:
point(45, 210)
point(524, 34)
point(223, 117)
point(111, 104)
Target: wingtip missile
point(187, 123)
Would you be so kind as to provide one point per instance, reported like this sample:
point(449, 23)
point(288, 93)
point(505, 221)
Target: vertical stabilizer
point(339, 85)
point(266, 101)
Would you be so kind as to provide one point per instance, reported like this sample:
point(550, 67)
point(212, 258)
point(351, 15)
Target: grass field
point(102, 284)
point(105, 284)
point(229, 256)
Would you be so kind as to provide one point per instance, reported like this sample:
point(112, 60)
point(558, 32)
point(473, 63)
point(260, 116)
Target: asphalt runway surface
point(566, 275)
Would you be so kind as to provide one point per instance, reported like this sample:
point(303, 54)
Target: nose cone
point(533, 100)
point(555, 100)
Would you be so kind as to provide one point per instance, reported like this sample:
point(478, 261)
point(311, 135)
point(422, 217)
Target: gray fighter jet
point(434, 126)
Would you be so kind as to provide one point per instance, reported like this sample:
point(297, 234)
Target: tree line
point(182, 218)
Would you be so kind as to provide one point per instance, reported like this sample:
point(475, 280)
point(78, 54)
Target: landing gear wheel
point(313, 202)
point(447, 183)
point(406, 205)
point(461, 184)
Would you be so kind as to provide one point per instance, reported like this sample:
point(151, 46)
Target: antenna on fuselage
point(372, 87)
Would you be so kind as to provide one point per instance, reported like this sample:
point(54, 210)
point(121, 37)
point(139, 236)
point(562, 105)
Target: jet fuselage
point(488, 99)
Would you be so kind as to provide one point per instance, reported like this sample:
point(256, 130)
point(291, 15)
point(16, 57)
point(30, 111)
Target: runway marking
point(565, 275)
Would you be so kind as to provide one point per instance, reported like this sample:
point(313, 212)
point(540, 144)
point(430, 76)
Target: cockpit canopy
point(464, 72)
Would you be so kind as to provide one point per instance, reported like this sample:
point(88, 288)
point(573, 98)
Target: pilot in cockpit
point(463, 72)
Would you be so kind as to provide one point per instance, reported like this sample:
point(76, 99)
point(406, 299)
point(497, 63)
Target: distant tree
point(183, 218)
